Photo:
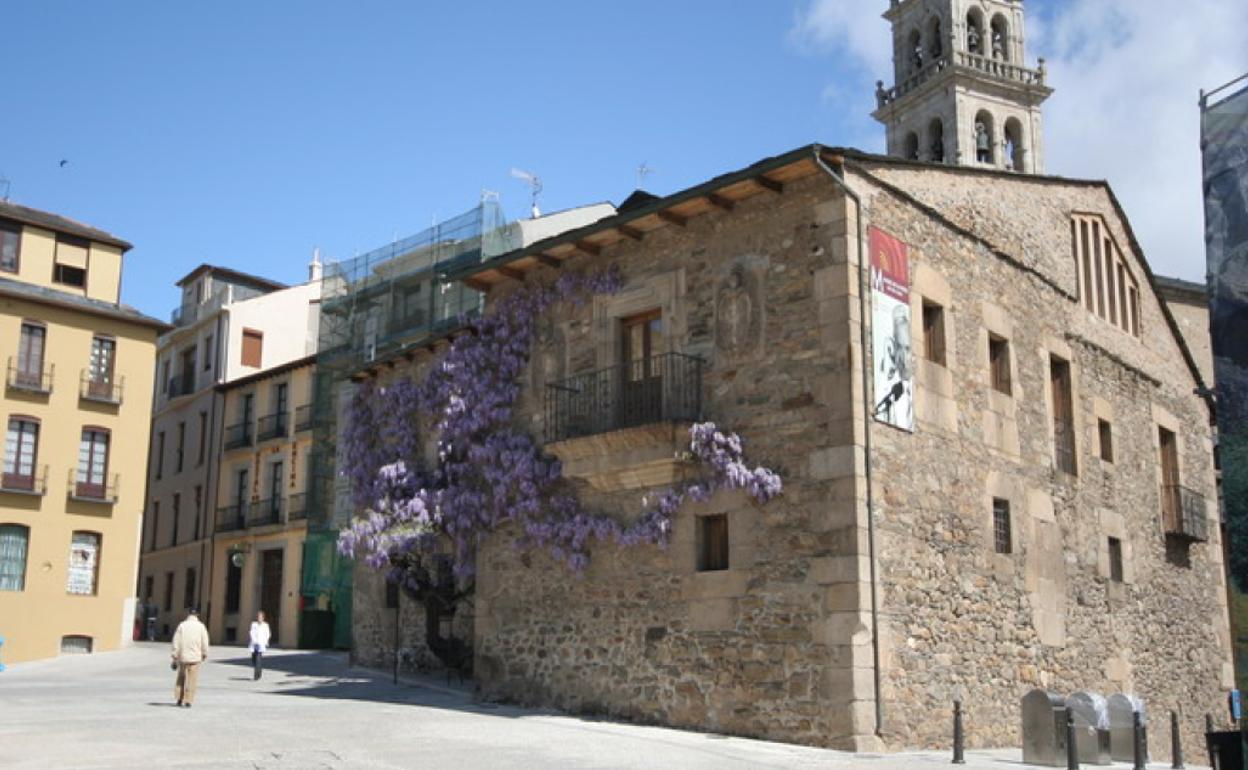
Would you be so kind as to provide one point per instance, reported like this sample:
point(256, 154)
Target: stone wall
point(959, 619)
point(766, 647)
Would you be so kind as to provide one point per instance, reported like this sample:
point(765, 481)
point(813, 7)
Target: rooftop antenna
point(489, 196)
point(535, 186)
point(643, 171)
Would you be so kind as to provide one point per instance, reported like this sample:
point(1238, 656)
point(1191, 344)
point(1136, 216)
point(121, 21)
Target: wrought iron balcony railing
point(266, 512)
point(30, 379)
point(104, 491)
point(297, 507)
point(181, 385)
point(663, 388)
point(239, 435)
point(303, 418)
point(1183, 513)
point(232, 518)
point(33, 483)
point(102, 389)
point(273, 426)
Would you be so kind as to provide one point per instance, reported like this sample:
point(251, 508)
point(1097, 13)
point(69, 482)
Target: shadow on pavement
point(305, 674)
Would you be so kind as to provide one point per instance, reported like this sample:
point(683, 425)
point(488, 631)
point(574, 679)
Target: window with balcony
point(1063, 415)
point(14, 545)
point(99, 379)
point(21, 449)
point(70, 263)
point(1183, 509)
point(28, 371)
point(84, 563)
point(91, 480)
point(10, 246)
point(276, 425)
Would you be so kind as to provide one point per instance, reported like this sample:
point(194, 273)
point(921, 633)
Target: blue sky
point(244, 134)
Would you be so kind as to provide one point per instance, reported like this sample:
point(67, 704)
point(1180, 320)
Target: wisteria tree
point(487, 471)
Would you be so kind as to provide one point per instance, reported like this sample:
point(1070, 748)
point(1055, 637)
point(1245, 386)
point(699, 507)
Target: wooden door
point(641, 377)
point(271, 589)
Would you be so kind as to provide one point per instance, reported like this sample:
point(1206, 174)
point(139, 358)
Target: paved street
point(115, 710)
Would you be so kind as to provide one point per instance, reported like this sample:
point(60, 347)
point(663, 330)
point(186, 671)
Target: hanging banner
point(83, 554)
point(890, 330)
point(1224, 139)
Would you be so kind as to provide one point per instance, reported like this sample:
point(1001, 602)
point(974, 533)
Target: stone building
point(1043, 517)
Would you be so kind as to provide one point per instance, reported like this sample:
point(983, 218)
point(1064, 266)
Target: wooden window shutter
point(253, 343)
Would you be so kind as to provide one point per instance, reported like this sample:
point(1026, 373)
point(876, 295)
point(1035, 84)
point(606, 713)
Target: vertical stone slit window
point(934, 332)
point(1106, 433)
point(1115, 560)
point(713, 543)
point(1001, 526)
point(999, 364)
point(1063, 415)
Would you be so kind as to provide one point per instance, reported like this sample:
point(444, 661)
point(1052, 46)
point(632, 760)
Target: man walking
point(259, 643)
point(190, 648)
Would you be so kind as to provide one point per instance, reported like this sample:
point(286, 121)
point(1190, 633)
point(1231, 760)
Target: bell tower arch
point(962, 92)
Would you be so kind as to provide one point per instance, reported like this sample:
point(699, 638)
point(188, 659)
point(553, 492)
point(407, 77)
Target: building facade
point(261, 515)
point(1027, 502)
point(229, 325)
point(76, 401)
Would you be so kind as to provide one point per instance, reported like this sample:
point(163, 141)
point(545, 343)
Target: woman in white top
point(258, 642)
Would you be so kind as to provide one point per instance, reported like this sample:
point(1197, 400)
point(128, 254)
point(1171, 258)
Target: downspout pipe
point(864, 342)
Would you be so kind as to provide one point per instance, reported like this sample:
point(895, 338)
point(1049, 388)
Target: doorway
point(271, 589)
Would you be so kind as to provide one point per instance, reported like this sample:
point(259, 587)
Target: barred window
point(1001, 525)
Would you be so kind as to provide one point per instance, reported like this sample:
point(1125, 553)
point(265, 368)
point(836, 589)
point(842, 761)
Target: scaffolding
point(372, 306)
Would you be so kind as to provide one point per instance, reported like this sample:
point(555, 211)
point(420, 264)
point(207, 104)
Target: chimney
point(314, 267)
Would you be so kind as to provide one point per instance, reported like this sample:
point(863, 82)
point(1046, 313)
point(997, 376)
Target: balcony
point(266, 512)
point(273, 426)
point(965, 62)
point(185, 315)
point(100, 389)
point(30, 380)
point(233, 518)
point(617, 427)
point(303, 418)
point(1184, 513)
point(33, 483)
point(239, 435)
point(297, 507)
point(181, 385)
point(93, 492)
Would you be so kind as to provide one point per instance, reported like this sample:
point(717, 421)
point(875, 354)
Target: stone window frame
point(1004, 486)
point(1054, 348)
point(1002, 526)
point(935, 400)
point(713, 542)
point(1103, 417)
point(664, 292)
point(1113, 524)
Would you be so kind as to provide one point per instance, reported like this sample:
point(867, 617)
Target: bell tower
point(962, 93)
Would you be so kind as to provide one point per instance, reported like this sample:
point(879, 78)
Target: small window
point(199, 504)
point(177, 515)
point(149, 588)
point(168, 592)
point(76, 645)
point(208, 353)
point(253, 344)
point(999, 364)
point(1063, 415)
point(1106, 433)
point(160, 454)
point(181, 450)
point(155, 522)
point(392, 594)
point(1115, 560)
point(1001, 526)
point(203, 436)
point(84, 563)
point(188, 593)
point(713, 543)
point(14, 544)
point(10, 246)
point(934, 332)
point(70, 265)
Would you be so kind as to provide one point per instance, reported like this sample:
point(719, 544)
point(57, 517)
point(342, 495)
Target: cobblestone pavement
point(115, 710)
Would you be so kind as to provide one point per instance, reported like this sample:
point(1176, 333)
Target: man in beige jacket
point(190, 648)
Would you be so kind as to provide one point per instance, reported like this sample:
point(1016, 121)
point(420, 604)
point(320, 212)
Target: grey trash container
point(1044, 728)
point(1122, 728)
point(1091, 713)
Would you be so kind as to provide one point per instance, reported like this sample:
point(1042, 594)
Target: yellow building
point(76, 405)
point(261, 519)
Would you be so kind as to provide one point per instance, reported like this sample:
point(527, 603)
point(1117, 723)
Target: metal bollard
point(959, 740)
point(1137, 743)
point(1072, 751)
point(1176, 745)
